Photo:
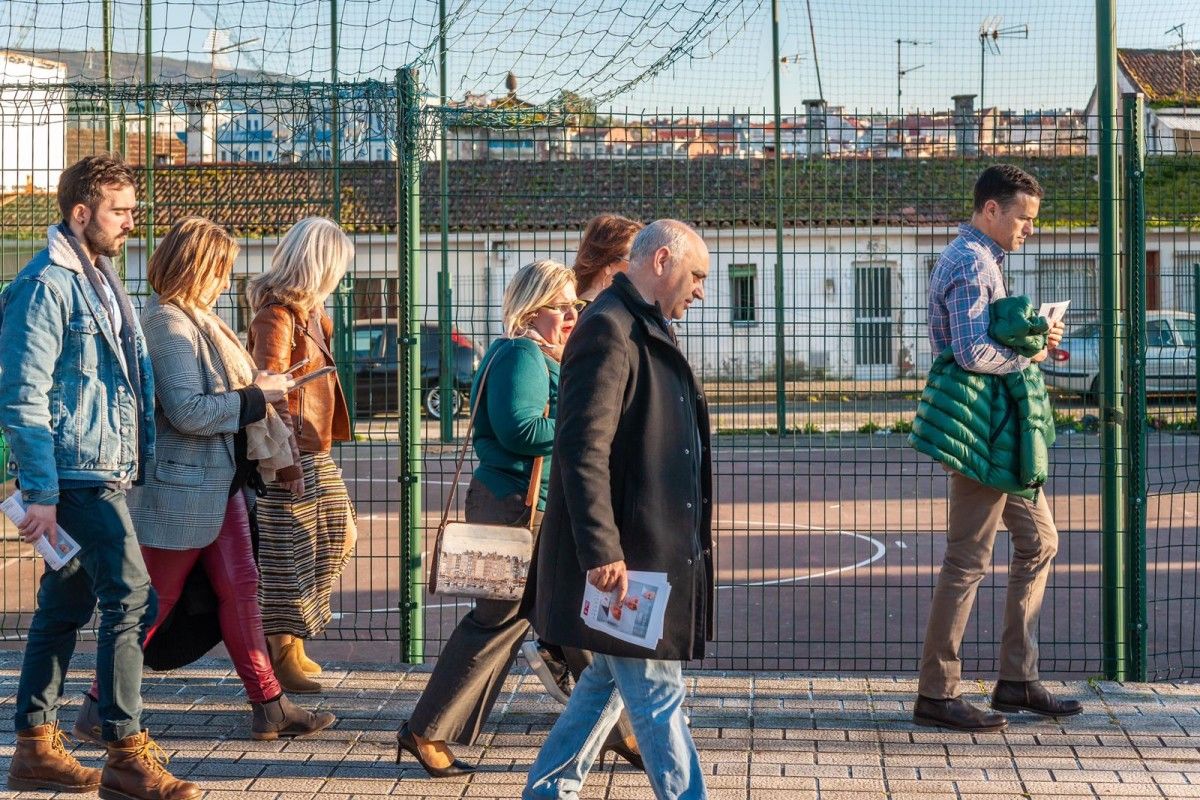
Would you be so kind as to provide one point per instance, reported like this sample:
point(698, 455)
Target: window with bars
point(1069, 277)
point(743, 279)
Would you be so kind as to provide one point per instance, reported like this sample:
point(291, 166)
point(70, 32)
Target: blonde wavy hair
point(533, 287)
point(195, 255)
point(307, 264)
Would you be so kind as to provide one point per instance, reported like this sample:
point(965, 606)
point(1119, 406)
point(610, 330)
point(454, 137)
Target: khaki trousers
point(975, 514)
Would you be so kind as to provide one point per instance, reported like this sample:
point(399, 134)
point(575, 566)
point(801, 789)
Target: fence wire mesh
point(830, 529)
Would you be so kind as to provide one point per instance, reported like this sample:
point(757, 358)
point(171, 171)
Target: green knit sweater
point(995, 429)
point(510, 429)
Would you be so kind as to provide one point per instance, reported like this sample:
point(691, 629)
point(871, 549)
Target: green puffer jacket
point(995, 429)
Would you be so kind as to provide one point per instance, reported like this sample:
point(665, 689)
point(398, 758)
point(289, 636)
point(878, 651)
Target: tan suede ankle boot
point(288, 672)
point(309, 666)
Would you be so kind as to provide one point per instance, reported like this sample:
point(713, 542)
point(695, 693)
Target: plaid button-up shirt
point(965, 281)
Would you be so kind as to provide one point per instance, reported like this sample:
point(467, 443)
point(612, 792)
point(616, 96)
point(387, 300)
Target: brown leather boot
point(136, 770)
point(41, 763)
point(290, 674)
point(283, 718)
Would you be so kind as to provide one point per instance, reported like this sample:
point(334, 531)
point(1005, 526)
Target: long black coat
point(631, 478)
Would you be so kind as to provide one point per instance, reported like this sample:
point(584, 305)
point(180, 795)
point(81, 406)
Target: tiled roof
point(256, 200)
point(1157, 73)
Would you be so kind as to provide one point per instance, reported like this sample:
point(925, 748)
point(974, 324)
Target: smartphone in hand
point(312, 376)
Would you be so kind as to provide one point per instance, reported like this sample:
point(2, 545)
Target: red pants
point(229, 563)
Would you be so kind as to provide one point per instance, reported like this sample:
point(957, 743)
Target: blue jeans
point(108, 569)
point(653, 692)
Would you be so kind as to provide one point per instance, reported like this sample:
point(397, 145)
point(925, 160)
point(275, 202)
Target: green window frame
point(743, 294)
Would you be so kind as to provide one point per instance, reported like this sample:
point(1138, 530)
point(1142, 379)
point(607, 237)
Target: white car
point(1074, 365)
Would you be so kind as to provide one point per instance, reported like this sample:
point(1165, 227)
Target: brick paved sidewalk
point(761, 736)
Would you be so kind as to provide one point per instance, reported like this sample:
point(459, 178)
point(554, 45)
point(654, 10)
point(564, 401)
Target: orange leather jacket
point(280, 336)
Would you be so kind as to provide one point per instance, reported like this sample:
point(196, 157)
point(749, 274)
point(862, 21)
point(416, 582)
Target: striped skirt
point(303, 545)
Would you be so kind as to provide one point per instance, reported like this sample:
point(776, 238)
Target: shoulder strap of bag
point(535, 478)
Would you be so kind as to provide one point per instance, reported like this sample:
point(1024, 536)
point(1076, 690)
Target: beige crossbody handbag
point(478, 560)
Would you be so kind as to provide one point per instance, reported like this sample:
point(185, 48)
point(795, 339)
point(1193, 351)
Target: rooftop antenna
point(991, 30)
point(902, 71)
point(1183, 46)
point(213, 43)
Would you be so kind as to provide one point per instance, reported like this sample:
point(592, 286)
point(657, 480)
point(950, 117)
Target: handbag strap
point(535, 477)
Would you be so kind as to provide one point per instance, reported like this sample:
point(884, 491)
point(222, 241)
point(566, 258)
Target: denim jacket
point(67, 406)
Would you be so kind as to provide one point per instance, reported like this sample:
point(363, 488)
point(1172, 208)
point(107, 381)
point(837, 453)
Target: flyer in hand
point(638, 617)
point(57, 556)
point(1053, 312)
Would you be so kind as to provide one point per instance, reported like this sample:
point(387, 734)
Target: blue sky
point(594, 46)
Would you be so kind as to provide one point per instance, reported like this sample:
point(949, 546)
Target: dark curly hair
point(84, 181)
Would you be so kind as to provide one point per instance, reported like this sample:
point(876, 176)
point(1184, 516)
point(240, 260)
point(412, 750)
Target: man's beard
point(100, 242)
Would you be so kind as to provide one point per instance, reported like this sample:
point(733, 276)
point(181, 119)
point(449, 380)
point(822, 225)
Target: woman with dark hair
point(603, 252)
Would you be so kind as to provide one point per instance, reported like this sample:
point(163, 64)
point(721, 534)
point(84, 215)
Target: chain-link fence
point(823, 221)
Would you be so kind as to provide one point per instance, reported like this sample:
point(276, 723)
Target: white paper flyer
point(638, 618)
point(56, 557)
point(1053, 312)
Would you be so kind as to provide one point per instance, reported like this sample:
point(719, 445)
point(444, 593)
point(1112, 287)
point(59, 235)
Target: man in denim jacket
point(77, 407)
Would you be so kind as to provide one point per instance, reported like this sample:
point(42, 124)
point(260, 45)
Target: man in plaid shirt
point(965, 281)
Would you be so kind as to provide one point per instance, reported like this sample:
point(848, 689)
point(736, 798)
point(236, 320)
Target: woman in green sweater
point(514, 424)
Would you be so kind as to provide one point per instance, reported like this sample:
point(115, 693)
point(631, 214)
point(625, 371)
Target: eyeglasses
point(563, 308)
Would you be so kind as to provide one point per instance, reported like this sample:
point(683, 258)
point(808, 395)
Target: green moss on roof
point(263, 200)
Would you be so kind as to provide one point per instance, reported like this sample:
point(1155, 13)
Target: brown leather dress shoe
point(41, 762)
point(1031, 696)
point(136, 770)
point(956, 714)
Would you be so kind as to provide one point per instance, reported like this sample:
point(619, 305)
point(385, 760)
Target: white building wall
point(818, 281)
point(32, 123)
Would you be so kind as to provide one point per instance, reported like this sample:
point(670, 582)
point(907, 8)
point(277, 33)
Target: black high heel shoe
point(624, 751)
point(405, 741)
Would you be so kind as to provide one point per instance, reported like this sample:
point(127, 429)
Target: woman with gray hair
point(514, 424)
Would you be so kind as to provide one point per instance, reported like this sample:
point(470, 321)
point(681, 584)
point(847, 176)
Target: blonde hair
point(194, 255)
point(307, 264)
point(533, 287)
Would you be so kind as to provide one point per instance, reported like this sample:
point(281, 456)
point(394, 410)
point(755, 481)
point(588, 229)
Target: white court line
point(880, 552)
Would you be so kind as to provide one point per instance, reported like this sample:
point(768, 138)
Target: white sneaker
point(540, 668)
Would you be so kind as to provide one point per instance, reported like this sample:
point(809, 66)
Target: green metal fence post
point(780, 362)
point(335, 121)
point(1135, 361)
point(148, 131)
point(1112, 474)
point(1196, 311)
point(446, 387)
point(408, 198)
point(343, 341)
point(107, 23)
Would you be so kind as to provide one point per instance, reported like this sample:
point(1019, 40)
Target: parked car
point(1074, 365)
point(377, 358)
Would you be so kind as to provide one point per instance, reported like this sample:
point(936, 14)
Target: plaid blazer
point(181, 506)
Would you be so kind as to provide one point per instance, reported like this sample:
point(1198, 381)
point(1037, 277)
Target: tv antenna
point(1183, 46)
point(217, 43)
point(991, 31)
point(901, 71)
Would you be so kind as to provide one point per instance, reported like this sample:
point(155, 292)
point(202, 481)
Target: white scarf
point(268, 440)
